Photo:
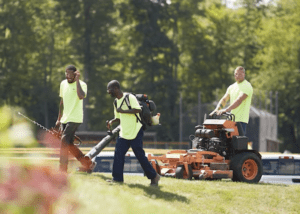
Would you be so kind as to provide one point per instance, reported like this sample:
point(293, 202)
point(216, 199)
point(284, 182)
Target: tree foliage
point(278, 63)
point(159, 47)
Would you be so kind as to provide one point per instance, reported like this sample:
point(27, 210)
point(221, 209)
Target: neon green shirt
point(128, 122)
point(242, 111)
point(73, 106)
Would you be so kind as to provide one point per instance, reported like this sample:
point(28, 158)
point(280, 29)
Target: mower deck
point(191, 163)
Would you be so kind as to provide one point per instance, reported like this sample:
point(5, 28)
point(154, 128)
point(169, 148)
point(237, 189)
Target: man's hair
point(114, 83)
point(71, 68)
point(240, 68)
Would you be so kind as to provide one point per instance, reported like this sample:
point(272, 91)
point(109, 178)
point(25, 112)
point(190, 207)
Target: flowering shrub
point(32, 189)
point(49, 140)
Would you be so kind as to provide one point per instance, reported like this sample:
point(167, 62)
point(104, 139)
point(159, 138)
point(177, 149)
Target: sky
point(234, 3)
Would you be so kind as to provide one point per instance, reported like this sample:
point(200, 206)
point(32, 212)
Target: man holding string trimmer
point(70, 116)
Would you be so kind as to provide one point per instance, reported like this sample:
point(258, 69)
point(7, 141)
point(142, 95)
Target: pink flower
point(38, 187)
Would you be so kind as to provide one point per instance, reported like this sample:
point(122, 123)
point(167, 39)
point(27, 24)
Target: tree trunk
point(87, 61)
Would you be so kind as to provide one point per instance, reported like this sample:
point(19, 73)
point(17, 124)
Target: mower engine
point(205, 140)
point(219, 135)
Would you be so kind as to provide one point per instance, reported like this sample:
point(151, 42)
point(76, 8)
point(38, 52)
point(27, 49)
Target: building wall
point(262, 128)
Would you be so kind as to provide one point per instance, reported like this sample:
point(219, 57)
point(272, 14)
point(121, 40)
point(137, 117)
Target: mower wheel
point(246, 167)
point(180, 172)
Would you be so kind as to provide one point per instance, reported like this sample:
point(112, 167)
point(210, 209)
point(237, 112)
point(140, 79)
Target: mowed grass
point(181, 196)
point(95, 195)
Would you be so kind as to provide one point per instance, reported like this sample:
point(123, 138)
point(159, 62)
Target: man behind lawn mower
point(240, 95)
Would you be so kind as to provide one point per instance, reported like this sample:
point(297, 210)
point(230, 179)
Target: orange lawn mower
point(219, 150)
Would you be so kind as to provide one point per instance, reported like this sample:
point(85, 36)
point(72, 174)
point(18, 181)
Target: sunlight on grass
point(138, 197)
point(181, 196)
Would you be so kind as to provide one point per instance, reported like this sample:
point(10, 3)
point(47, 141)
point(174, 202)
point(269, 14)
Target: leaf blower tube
point(103, 143)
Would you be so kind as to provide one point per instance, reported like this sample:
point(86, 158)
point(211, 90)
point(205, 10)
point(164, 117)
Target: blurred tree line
point(158, 47)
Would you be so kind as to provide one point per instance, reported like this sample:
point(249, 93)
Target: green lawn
point(94, 195)
point(181, 196)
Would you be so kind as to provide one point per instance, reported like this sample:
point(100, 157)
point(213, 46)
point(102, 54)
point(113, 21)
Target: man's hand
point(220, 112)
point(77, 75)
point(213, 112)
point(57, 125)
point(108, 124)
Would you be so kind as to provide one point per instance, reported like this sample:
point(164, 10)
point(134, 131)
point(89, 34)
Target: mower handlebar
point(229, 116)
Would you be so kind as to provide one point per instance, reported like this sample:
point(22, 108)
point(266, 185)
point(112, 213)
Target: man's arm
point(237, 102)
point(109, 124)
point(60, 112)
point(221, 103)
point(80, 92)
point(234, 105)
point(129, 111)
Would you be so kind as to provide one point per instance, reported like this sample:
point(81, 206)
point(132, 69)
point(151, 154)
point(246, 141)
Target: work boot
point(87, 164)
point(154, 181)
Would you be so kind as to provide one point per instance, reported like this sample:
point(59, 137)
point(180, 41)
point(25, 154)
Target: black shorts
point(69, 130)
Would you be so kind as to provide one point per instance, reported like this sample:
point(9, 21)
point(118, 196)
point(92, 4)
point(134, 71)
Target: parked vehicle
point(281, 168)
